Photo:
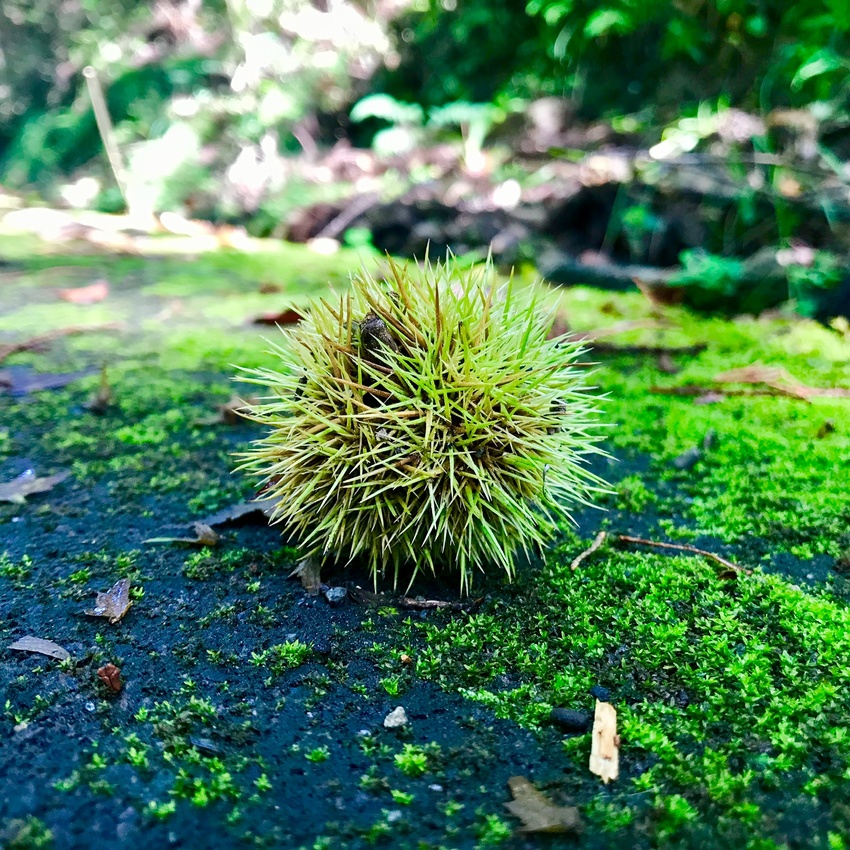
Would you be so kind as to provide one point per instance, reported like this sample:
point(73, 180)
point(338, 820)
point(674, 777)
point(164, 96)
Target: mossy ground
point(252, 715)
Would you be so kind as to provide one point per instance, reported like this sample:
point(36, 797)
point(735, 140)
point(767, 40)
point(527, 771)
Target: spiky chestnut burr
point(428, 421)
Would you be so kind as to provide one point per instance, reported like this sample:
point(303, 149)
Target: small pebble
point(687, 460)
point(602, 694)
point(396, 718)
point(336, 596)
point(205, 746)
point(569, 719)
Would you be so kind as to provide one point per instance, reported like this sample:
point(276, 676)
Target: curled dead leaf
point(308, 571)
point(113, 604)
point(236, 512)
point(110, 675)
point(289, 316)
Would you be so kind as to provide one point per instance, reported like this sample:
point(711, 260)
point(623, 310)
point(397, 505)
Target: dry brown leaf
point(110, 675)
point(90, 294)
point(206, 536)
point(605, 743)
point(26, 484)
point(113, 604)
point(537, 812)
point(289, 316)
point(309, 571)
point(42, 647)
point(231, 412)
point(235, 512)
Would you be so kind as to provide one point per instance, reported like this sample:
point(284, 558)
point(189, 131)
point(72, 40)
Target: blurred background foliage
point(245, 110)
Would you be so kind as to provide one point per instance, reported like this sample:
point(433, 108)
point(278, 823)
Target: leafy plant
point(429, 424)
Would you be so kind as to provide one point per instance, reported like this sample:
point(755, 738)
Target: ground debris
point(760, 380)
point(537, 812)
point(289, 316)
point(396, 719)
point(102, 397)
point(205, 536)
point(235, 512)
point(651, 350)
point(21, 380)
point(113, 604)
point(684, 547)
point(27, 484)
point(91, 294)
point(42, 340)
point(569, 719)
point(358, 594)
point(309, 572)
point(229, 413)
point(29, 643)
point(605, 743)
point(110, 675)
point(597, 542)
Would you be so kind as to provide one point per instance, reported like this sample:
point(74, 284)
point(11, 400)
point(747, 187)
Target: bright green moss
point(724, 689)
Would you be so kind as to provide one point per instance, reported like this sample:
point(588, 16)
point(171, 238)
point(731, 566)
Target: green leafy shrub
point(431, 423)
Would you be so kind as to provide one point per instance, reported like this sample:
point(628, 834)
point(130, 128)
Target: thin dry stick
point(609, 348)
point(104, 127)
point(7, 349)
point(597, 542)
point(683, 547)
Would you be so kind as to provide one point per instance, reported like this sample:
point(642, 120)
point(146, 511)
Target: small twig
point(107, 133)
point(684, 547)
point(597, 542)
point(610, 348)
point(621, 328)
point(7, 349)
point(801, 393)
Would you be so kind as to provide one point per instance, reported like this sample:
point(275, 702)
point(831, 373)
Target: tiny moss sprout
point(318, 755)
point(428, 422)
point(412, 760)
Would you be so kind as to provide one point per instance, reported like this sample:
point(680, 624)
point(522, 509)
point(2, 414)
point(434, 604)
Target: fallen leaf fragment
point(113, 604)
point(110, 675)
point(288, 316)
point(90, 294)
point(235, 512)
point(605, 743)
point(309, 571)
point(206, 536)
point(20, 381)
point(537, 812)
point(27, 484)
point(42, 647)
point(229, 413)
